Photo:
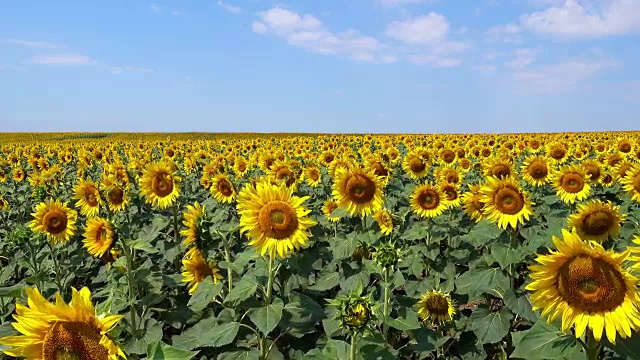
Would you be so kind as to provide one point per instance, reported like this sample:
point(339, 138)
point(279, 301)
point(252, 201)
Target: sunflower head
point(88, 198)
point(535, 171)
point(193, 220)
point(358, 191)
point(472, 203)
point(631, 182)
point(505, 202)
point(597, 220)
point(196, 269)
point(222, 189)
point(436, 307)
point(54, 219)
point(159, 185)
point(99, 236)
point(355, 312)
point(387, 255)
point(384, 220)
point(428, 200)
point(571, 184)
point(587, 286)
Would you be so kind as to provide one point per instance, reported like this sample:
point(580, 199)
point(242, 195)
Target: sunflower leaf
point(267, 317)
point(162, 351)
point(490, 326)
point(545, 341)
point(243, 289)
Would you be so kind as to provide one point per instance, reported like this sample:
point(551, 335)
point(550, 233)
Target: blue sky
point(320, 66)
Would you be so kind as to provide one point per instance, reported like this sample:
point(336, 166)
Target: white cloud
point(307, 32)
point(33, 44)
point(402, 2)
point(522, 58)
point(560, 77)
point(117, 70)
point(434, 60)
point(492, 55)
point(175, 12)
point(61, 60)
point(576, 19)
point(424, 29)
point(229, 8)
point(509, 33)
point(155, 8)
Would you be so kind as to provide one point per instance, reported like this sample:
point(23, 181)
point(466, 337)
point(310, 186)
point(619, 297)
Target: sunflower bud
point(39, 193)
point(361, 252)
point(386, 255)
point(355, 312)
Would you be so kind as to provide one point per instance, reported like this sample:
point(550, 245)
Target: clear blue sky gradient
point(320, 66)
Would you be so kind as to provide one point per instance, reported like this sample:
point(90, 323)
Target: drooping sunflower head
point(62, 331)
point(222, 189)
point(115, 194)
point(159, 185)
point(505, 202)
point(428, 201)
point(99, 237)
point(273, 218)
point(571, 184)
point(193, 217)
point(54, 219)
point(196, 269)
point(631, 182)
point(472, 203)
point(535, 171)
point(586, 285)
point(358, 191)
point(436, 307)
point(597, 220)
point(88, 198)
point(384, 220)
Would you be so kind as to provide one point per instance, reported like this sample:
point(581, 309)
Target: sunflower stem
point(352, 350)
point(56, 267)
point(267, 301)
point(128, 253)
point(227, 258)
point(176, 234)
point(592, 347)
point(385, 305)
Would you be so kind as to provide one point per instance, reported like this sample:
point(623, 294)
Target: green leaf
point(13, 291)
point(408, 322)
point(206, 333)
point(481, 280)
point(267, 317)
point(204, 294)
point(336, 349)
point(301, 314)
point(417, 231)
point(490, 327)
point(326, 282)
point(506, 255)
point(162, 351)
point(343, 247)
point(243, 289)
point(519, 302)
point(252, 354)
point(483, 233)
point(340, 212)
point(545, 341)
point(142, 245)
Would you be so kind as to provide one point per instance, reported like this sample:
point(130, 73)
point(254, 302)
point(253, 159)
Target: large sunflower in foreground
point(273, 218)
point(571, 184)
point(88, 198)
point(62, 331)
point(427, 201)
point(586, 286)
point(505, 202)
point(98, 236)
point(54, 219)
point(159, 185)
point(436, 307)
point(358, 191)
point(196, 269)
point(192, 217)
point(597, 220)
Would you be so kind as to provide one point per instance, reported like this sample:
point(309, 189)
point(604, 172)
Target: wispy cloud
point(117, 70)
point(508, 33)
point(392, 3)
point(158, 9)
point(522, 58)
point(33, 44)
point(61, 60)
point(229, 8)
point(155, 8)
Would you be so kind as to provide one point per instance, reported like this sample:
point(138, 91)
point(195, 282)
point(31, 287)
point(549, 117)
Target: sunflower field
point(293, 246)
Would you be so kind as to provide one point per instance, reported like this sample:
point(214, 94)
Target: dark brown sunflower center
point(90, 198)
point(162, 184)
point(286, 175)
point(55, 221)
point(331, 207)
point(450, 193)
point(437, 304)
point(116, 196)
point(379, 169)
point(598, 223)
point(593, 172)
point(452, 177)
point(314, 174)
point(448, 156)
point(416, 165)
point(242, 167)
point(73, 341)
point(428, 199)
point(572, 183)
point(360, 189)
point(591, 284)
point(614, 160)
point(486, 152)
point(500, 170)
point(225, 188)
point(625, 147)
point(509, 200)
point(328, 158)
point(278, 219)
point(538, 169)
point(476, 203)
point(558, 153)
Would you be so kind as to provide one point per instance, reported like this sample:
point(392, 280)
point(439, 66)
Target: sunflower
point(451, 196)
point(192, 218)
point(597, 220)
point(358, 191)
point(18, 174)
point(60, 330)
point(570, 183)
point(606, 180)
point(4, 204)
point(98, 236)
point(593, 169)
point(416, 164)
point(273, 218)
point(505, 203)
point(436, 307)
point(159, 185)
point(535, 171)
point(631, 183)
point(312, 175)
point(428, 201)
point(327, 208)
point(54, 219)
point(557, 152)
point(384, 220)
point(197, 269)
point(498, 167)
point(88, 198)
point(472, 204)
point(586, 285)
point(222, 189)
